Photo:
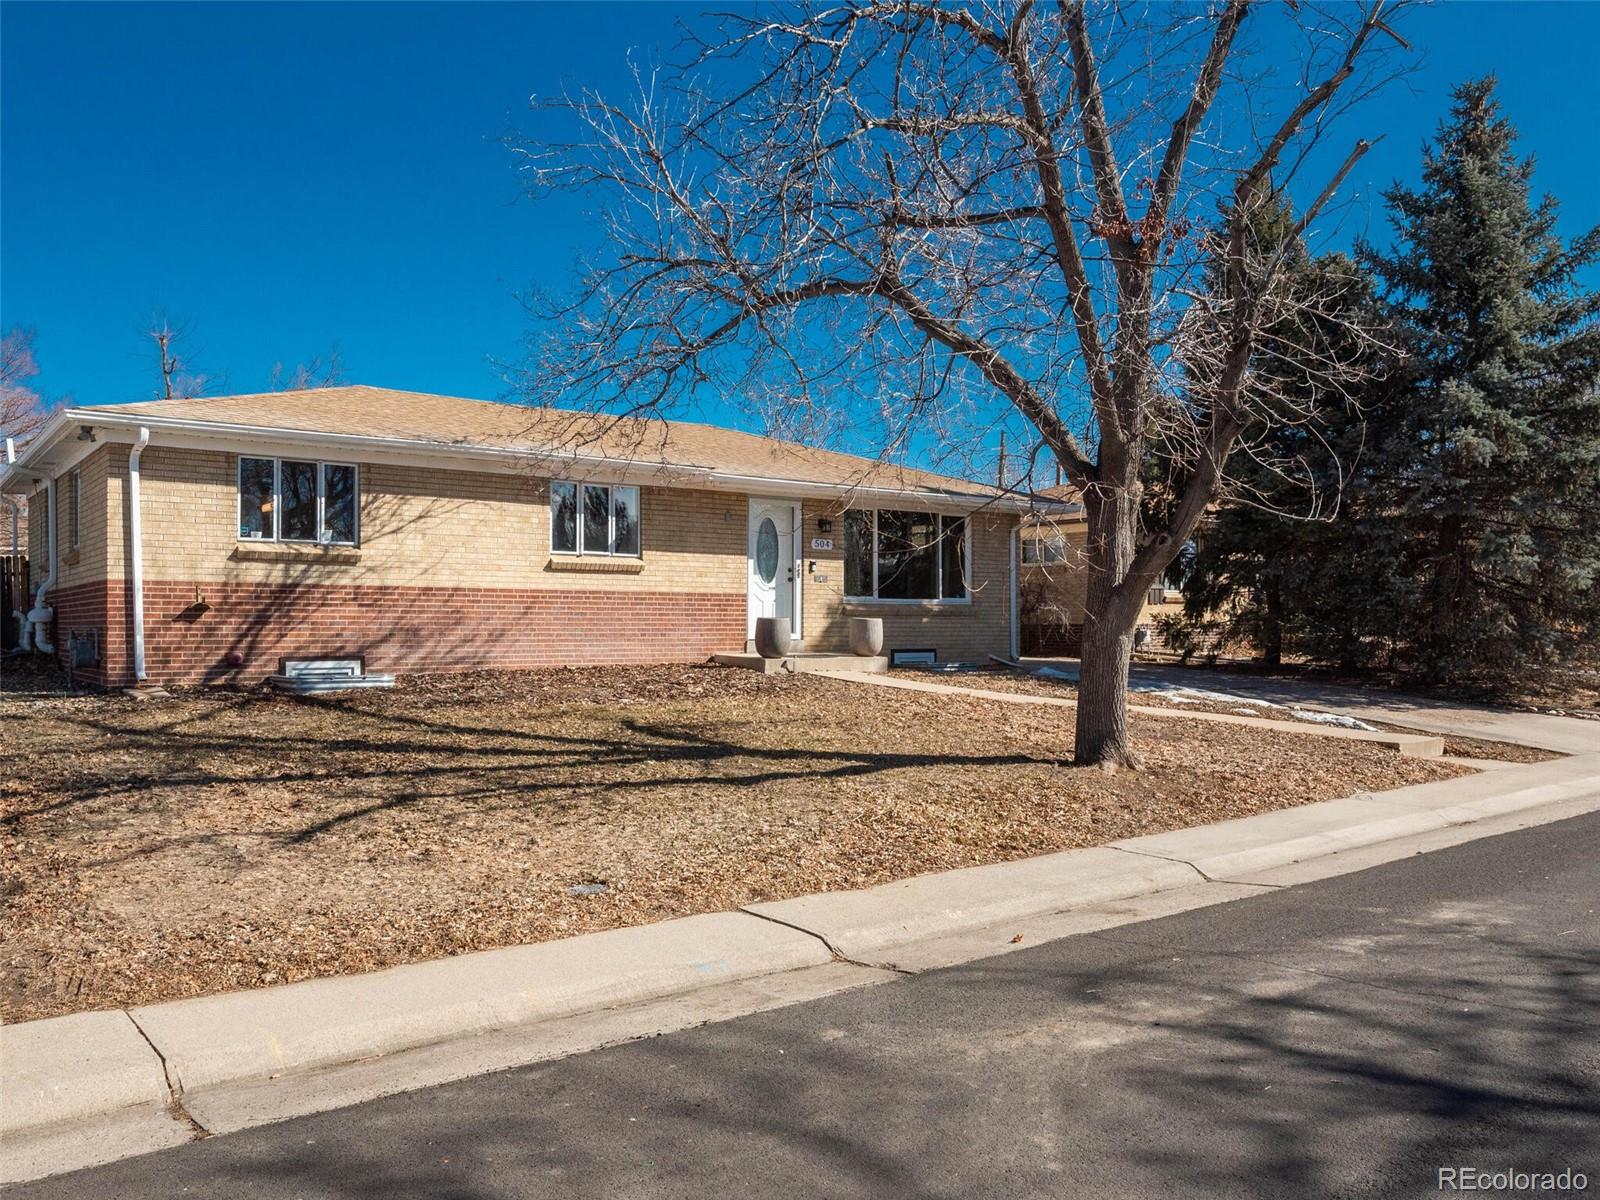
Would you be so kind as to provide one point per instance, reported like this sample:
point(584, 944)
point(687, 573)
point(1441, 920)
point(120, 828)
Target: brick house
point(1055, 581)
point(216, 538)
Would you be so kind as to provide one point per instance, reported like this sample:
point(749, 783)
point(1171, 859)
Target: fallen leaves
point(235, 839)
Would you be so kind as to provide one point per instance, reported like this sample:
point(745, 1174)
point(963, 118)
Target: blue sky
point(292, 177)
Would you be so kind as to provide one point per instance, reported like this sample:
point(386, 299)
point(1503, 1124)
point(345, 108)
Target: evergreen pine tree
point(1489, 473)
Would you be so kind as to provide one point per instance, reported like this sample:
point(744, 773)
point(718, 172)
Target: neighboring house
point(1055, 582)
point(219, 537)
point(15, 531)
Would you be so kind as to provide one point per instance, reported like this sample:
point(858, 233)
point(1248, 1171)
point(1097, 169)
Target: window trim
point(75, 526)
point(1054, 544)
point(276, 536)
point(579, 550)
point(941, 600)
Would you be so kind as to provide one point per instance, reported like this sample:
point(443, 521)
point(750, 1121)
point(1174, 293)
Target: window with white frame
point(895, 554)
point(292, 500)
point(594, 518)
point(1043, 550)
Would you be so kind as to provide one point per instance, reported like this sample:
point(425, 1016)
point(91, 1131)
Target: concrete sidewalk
point(1343, 1039)
point(94, 1087)
point(1413, 745)
point(1545, 731)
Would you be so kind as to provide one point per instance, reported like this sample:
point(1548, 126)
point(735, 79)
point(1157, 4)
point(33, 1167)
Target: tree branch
point(1184, 128)
point(1069, 255)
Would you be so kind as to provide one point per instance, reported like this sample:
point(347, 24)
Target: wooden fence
point(15, 593)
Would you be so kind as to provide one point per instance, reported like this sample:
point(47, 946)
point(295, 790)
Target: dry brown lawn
point(237, 839)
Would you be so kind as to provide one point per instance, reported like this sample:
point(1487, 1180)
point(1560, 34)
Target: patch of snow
point(1327, 718)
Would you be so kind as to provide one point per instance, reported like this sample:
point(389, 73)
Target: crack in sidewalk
point(838, 954)
point(175, 1106)
point(1185, 862)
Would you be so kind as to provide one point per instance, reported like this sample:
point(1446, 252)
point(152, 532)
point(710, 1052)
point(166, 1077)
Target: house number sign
point(822, 543)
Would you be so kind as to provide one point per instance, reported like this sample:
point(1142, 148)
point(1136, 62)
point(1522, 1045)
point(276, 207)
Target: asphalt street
point(1342, 1038)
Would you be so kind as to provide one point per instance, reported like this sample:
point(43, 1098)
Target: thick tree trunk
point(1449, 579)
point(1102, 733)
point(1109, 621)
point(1272, 625)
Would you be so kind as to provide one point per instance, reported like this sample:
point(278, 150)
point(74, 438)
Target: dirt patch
point(31, 675)
point(234, 839)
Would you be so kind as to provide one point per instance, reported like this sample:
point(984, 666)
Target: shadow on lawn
point(464, 767)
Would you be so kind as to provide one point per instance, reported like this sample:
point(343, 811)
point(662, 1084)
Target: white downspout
point(136, 552)
point(40, 616)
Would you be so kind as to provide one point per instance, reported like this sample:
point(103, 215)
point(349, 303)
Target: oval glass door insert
point(767, 550)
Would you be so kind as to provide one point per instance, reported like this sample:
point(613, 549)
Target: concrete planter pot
point(866, 636)
point(772, 636)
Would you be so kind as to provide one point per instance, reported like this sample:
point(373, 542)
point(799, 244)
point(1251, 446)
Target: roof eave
point(16, 477)
point(667, 473)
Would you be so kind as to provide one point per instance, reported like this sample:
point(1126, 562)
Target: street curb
point(77, 1066)
point(867, 925)
point(68, 1068)
point(99, 1065)
point(256, 1034)
point(1228, 850)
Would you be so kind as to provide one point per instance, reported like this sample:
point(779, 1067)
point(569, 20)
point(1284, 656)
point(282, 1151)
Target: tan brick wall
point(958, 632)
point(87, 562)
point(36, 534)
point(450, 557)
point(1058, 592)
point(435, 528)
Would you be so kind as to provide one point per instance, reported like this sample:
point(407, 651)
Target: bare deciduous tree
point(935, 216)
point(323, 371)
point(173, 357)
point(22, 409)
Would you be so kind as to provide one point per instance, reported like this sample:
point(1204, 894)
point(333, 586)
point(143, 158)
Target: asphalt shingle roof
point(450, 420)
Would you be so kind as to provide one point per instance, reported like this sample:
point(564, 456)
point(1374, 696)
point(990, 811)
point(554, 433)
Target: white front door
point(774, 524)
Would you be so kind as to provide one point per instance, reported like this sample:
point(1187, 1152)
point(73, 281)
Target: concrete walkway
point(1565, 735)
point(1413, 745)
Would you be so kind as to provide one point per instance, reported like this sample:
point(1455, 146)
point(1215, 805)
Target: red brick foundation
point(103, 608)
point(399, 629)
